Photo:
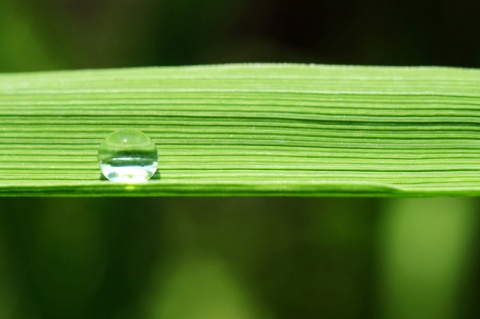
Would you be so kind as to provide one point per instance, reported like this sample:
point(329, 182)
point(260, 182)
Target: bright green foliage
point(247, 130)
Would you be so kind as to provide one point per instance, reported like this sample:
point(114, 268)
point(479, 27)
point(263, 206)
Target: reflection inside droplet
point(128, 156)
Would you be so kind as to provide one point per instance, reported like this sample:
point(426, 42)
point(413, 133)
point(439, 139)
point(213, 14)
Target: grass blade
point(247, 130)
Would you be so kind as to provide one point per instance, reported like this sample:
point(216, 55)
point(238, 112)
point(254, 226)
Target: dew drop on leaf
point(128, 156)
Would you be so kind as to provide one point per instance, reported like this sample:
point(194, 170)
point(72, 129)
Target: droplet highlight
point(128, 156)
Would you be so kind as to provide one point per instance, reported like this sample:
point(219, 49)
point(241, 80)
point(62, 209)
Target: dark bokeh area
point(52, 34)
point(244, 258)
point(187, 258)
point(237, 258)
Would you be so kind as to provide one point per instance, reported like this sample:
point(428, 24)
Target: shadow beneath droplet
point(156, 176)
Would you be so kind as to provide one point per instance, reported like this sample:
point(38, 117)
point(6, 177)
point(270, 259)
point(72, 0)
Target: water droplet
point(128, 156)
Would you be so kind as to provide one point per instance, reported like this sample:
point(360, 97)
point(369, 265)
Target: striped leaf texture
point(260, 129)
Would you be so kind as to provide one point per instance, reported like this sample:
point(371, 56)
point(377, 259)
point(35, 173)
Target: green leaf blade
point(247, 130)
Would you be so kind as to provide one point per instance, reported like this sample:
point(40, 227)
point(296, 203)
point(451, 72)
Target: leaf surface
point(260, 129)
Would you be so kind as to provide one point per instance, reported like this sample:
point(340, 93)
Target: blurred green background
point(237, 258)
